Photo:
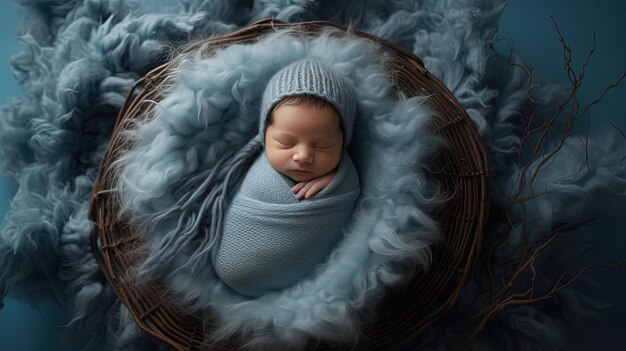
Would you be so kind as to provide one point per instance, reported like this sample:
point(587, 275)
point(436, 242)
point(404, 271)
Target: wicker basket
point(403, 314)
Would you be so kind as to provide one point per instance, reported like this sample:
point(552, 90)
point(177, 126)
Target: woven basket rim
point(463, 217)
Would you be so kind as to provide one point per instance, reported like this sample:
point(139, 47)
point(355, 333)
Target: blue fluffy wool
point(203, 114)
point(80, 57)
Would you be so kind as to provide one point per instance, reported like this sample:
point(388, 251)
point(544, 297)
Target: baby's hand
point(309, 188)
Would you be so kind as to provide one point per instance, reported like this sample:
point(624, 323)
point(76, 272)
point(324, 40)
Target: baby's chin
point(298, 176)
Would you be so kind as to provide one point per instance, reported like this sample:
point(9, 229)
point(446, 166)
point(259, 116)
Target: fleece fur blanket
point(271, 240)
point(207, 107)
point(80, 57)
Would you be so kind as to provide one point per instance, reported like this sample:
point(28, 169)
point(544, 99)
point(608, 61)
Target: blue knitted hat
point(309, 77)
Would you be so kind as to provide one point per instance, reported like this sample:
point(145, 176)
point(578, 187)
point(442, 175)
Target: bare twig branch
point(511, 245)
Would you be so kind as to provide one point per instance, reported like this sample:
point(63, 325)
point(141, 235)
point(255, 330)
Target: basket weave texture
point(404, 313)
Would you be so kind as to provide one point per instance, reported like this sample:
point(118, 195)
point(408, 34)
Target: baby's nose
point(303, 154)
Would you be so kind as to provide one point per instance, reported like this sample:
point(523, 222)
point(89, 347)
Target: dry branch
point(518, 286)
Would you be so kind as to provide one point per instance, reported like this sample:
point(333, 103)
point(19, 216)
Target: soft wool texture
point(80, 57)
point(204, 110)
point(270, 239)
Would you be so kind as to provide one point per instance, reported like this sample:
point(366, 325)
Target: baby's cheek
point(331, 161)
point(279, 159)
point(273, 157)
point(285, 156)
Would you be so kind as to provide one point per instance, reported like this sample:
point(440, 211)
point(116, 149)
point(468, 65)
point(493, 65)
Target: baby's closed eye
point(285, 142)
point(323, 146)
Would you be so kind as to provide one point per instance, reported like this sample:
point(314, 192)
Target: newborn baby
point(304, 141)
point(297, 196)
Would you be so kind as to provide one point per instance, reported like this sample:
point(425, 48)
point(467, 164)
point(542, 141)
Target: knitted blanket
point(270, 239)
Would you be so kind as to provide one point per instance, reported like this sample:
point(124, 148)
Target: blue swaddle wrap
point(270, 240)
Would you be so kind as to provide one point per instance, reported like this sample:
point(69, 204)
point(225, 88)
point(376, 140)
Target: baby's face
point(304, 142)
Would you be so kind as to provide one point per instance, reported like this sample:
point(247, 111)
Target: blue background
point(528, 25)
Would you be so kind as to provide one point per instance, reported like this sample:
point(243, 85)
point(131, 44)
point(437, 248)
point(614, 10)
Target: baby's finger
point(314, 189)
point(304, 190)
point(298, 186)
